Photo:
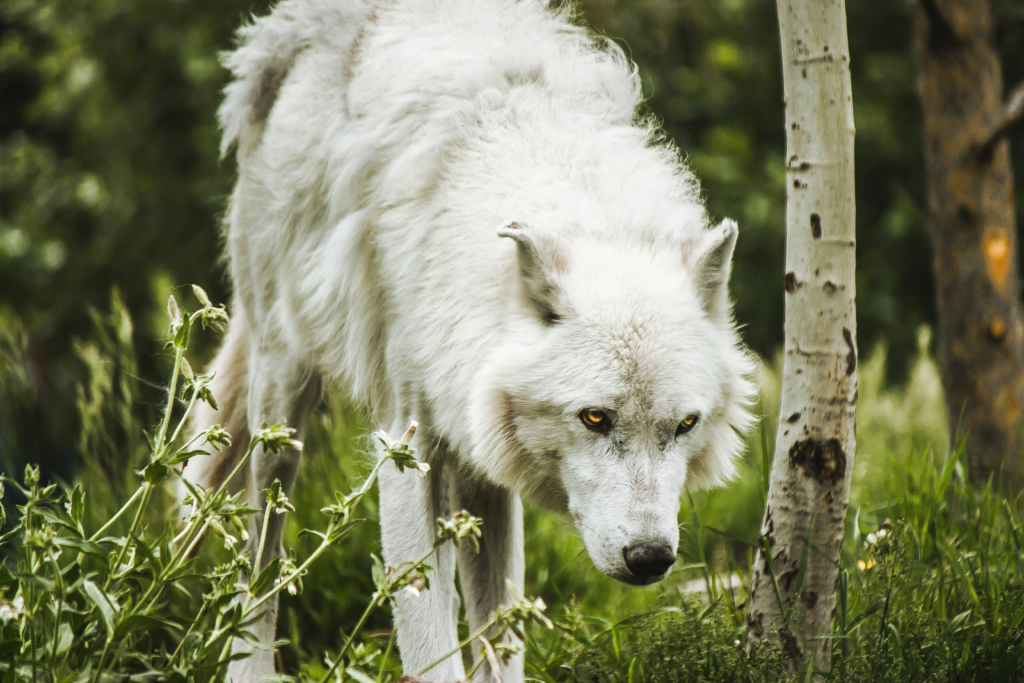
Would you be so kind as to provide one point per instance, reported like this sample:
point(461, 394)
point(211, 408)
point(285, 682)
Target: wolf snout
point(648, 560)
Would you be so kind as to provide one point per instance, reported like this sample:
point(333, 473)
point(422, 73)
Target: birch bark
point(792, 586)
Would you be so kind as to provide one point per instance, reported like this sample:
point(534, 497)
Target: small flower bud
point(172, 309)
point(186, 370)
point(201, 295)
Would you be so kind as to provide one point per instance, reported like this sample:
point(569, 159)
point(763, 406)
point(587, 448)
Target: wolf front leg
point(426, 623)
point(279, 391)
point(485, 576)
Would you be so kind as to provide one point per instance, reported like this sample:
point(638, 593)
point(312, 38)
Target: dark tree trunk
point(971, 221)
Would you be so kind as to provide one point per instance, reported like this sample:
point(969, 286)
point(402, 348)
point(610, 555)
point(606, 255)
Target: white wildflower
point(12, 610)
point(229, 541)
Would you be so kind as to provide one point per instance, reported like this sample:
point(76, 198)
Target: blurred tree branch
point(1012, 117)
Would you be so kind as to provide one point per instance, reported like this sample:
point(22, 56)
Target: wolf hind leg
point(230, 386)
point(281, 389)
point(426, 624)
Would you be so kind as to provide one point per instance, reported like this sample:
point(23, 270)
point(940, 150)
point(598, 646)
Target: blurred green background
point(109, 173)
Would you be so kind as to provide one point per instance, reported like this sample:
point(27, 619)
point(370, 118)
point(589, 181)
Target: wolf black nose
point(648, 560)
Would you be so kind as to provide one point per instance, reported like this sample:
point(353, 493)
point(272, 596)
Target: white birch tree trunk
point(814, 449)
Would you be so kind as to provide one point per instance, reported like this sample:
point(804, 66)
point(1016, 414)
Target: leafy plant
point(100, 606)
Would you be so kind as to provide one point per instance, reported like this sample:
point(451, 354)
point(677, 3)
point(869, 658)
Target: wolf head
point(620, 383)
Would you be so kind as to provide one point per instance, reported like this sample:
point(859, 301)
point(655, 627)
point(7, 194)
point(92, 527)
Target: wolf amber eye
point(688, 423)
point(595, 420)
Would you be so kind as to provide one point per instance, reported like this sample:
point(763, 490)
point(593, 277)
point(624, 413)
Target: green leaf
point(184, 456)
point(148, 554)
point(266, 577)
point(155, 472)
point(46, 584)
point(64, 638)
point(868, 611)
point(342, 531)
point(181, 336)
point(378, 573)
point(105, 604)
point(253, 619)
point(90, 548)
point(707, 610)
point(954, 625)
point(647, 615)
point(77, 505)
point(143, 621)
point(358, 675)
point(55, 518)
point(7, 579)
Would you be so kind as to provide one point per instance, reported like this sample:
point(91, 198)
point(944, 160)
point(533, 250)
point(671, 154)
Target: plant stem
point(198, 537)
point(476, 634)
point(56, 624)
point(171, 391)
point(99, 665)
point(325, 544)
point(204, 513)
point(117, 516)
point(255, 566)
point(263, 539)
point(32, 632)
point(374, 604)
point(177, 650)
point(384, 659)
point(291, 577)
point(184, 416)
point(147, 490)
point(476, 664)
point(370, 478)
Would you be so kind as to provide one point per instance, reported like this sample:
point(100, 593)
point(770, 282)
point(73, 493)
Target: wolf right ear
point(540, 257)
point(710, 258)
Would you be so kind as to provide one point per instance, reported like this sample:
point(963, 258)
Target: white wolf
point(451, 210)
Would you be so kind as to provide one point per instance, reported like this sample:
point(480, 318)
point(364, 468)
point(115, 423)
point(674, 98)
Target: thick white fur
point(450, 210)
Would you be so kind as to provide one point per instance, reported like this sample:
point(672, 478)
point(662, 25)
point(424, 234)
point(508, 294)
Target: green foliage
point(145, 604)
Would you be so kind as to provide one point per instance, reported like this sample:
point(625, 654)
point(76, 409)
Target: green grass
point(937, 597)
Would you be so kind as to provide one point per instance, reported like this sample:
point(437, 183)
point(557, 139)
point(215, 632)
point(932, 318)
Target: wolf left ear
point(710, 258)
point(540, 256)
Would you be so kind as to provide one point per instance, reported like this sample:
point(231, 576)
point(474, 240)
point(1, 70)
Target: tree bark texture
point(971, 222)
point(793, 587)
